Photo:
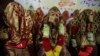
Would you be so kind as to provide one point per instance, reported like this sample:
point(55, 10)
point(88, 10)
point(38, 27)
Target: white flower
point(46, 30)
point(90, 36)
point(61, 29)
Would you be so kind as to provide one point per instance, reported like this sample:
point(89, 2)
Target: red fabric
point(22, 44)
point(87, 51)
point(46, 44)
point(60, 40)
point(83, 53)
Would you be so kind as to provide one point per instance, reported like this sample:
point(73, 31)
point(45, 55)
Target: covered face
point(39, 15)
point(65, 15)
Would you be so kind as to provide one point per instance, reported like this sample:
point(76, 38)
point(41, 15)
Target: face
point(54, 15)
point(65, 16)
point(91, 16)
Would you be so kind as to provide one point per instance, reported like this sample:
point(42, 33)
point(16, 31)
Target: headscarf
point(14, 13)
point(19, 21)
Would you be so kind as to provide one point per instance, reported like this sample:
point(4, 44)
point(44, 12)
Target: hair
point(55, 9)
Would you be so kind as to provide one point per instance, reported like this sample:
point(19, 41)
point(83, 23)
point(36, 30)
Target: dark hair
point(2, 19)
point(4, 3)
